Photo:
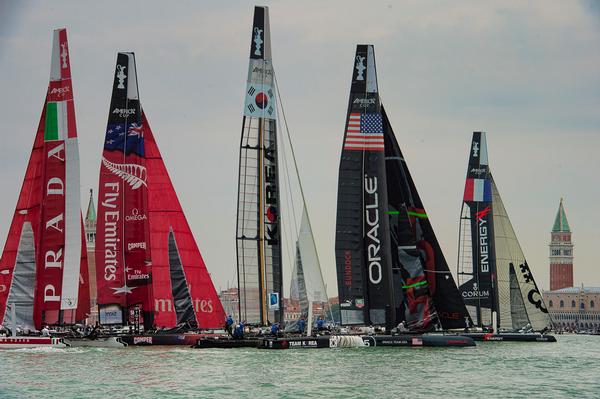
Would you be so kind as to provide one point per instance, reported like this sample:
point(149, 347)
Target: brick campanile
point(561, 252)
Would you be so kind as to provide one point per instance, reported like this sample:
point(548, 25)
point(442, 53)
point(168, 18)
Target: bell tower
point(561, 252)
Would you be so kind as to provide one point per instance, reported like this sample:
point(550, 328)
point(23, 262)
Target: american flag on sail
point(364, 132)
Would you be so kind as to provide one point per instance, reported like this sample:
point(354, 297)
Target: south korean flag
point(260, 101)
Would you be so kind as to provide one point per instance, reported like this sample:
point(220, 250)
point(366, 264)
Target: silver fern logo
point(133, 174)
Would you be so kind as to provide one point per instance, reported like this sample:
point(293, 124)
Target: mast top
point(560, 222)
point(260, 42)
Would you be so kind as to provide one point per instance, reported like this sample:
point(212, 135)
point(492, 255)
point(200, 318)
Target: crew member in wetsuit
point(301, 325)
point(320, 323)
point(229, 324)
point(238, 332)
point(274, 329)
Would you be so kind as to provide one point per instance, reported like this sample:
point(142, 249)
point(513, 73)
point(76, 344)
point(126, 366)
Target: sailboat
point(149, 271)
point(391, 270)
point(43, 268)
point(495, 280)
point(259, 229)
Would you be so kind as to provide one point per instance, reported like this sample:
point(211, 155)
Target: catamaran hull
point(226, 343)
point(31, 342)
point(417, 341)
point(512, 337)
point(103, 342)
point(163, 339)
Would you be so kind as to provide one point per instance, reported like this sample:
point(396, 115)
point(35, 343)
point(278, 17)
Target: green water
point(569, 368)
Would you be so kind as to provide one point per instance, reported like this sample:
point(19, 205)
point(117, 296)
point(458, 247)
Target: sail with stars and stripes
point(390, 266)
point(43, 268)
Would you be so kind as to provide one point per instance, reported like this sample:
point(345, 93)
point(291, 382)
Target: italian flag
point(57, 121)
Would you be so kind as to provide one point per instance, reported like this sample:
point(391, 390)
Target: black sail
point(179, 286)
point(362, 230)
point(420, 268)
point(477, 266)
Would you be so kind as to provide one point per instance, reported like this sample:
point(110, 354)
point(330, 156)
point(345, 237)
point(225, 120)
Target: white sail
point(307, 272)
point(509, 252)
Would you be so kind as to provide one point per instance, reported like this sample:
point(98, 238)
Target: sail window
point(562, 303)
point(573, 304)
point(550, 303)
point(591, 304)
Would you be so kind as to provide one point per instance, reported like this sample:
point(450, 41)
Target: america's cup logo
point(257, 40)
point(64, 54)
point(121, 76)
point(475, 149)
point(360, 67)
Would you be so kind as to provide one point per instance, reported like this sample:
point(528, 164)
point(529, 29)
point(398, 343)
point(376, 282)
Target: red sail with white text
point(43, 269)
point(146, 255)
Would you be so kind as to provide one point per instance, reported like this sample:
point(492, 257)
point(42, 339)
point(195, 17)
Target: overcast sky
point(528, 73)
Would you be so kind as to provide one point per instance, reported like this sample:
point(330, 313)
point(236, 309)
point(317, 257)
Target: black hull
point(511, 337)
point(187, 339)
point(226, 343)
point(415, 341)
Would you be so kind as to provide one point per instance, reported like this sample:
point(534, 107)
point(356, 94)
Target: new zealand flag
point(118, 140)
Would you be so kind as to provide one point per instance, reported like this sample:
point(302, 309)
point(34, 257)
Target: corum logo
point(481, 214)
point(135, 175)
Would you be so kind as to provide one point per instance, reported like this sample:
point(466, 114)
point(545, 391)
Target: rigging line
point(289, 202)
point(299, 181)
point(288, 182)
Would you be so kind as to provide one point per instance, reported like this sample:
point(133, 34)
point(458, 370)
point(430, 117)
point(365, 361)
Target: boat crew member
point(229, 324)
point(320, 323)
point(45, 332)
point(238, 332)
point(301, 325)
point(402, 327)
point(274, 329)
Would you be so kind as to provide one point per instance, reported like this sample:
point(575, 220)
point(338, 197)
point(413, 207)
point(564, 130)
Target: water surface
point(566, 369)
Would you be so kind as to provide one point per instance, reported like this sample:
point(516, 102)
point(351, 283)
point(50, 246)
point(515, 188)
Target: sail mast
point(258, 233)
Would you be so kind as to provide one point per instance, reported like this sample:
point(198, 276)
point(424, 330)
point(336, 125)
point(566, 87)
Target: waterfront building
point(230, 300)
point(574, 308)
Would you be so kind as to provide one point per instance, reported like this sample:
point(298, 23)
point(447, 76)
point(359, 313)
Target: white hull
point(31, 342)
point(103, 342)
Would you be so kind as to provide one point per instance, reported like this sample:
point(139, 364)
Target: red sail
point(146, 256)
point(165, 214)
point(43, 268)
